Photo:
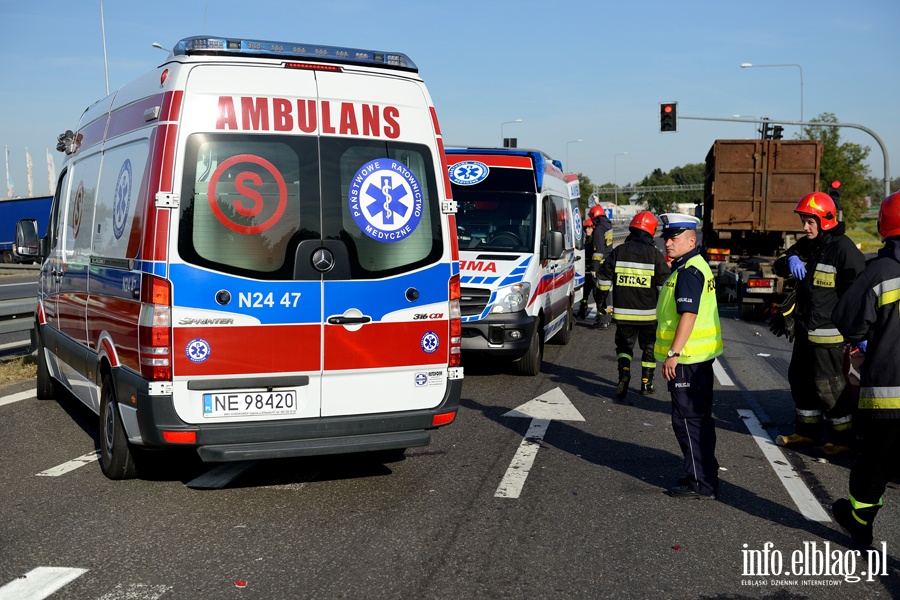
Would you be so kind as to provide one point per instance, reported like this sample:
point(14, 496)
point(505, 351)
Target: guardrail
point(17, 314)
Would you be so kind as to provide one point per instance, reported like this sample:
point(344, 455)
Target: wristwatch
point(672, 353)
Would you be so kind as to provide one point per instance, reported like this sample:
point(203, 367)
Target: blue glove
point(798, 269)
point(862, 346)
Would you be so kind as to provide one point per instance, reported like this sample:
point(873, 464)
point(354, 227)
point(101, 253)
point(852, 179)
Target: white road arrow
point(552, 406)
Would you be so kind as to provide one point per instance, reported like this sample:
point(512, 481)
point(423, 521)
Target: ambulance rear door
point(385, 302)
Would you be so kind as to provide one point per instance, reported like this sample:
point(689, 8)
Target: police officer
point(637, 271)
point(832, 262)
point(589, 285)
point(602, 238)
point(869, 313)
point(688, 338)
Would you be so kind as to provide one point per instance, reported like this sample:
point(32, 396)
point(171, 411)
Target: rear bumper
point(285, 438)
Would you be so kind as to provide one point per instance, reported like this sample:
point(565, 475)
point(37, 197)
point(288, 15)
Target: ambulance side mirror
point(27, 242)
point(554, 248)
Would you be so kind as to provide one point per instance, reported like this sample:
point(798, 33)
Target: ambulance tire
point(530, 364)
point(46, 388)
point(563, 336)
point(116, 460)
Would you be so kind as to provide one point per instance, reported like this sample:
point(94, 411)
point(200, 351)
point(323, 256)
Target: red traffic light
point(835, 184)
point(668, 117)
point(667, 108)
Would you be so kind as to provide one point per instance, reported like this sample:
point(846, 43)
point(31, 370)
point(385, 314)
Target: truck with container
point(11, 211)
point(750, 192)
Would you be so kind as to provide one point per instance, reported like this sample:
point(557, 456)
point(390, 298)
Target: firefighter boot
point(624, 380)
point(646, 381)
point(582, 310)
point(840, 438)
point(795, 439)
point(857, 521)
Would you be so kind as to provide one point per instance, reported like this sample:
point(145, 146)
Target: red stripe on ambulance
point(253, 349)
point(366, 347)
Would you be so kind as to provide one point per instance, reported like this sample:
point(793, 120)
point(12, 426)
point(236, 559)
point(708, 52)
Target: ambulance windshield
point(496, 221)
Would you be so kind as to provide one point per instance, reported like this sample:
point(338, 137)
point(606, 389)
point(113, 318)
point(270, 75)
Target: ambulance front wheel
point(116, 459)
point(46, 387)
point(530, 364)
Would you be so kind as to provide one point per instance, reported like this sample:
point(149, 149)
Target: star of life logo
point(122, 199)
point(430, 342)
point(386, 200)
point(197, 350)
point(815, 564)
point(468, 172)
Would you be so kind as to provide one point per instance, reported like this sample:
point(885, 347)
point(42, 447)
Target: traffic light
point(777, 132)
point(668, 117)
point(764, 131)
point(834, 190)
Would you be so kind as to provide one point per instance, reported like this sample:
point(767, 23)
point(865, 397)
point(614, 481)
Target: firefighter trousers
point(626, 334)
point(692, 422)
point(820, 391)
point(877, 462)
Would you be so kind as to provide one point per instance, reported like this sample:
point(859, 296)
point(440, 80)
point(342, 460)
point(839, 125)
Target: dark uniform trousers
point(695, 430)
point(629, 332)
point(877, 462)
point(816, 377)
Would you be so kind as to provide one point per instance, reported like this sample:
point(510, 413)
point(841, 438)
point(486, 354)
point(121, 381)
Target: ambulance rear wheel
point(116, 459)
point(530, 364)
point(46, 388)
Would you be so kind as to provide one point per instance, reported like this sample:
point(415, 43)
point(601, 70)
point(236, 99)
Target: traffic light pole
point(887, 168)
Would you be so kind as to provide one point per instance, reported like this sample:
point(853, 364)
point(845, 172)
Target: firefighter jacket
point(832, 263)
point(705, 342)
point(870, 310)
point(637, 271)
point(602, 241)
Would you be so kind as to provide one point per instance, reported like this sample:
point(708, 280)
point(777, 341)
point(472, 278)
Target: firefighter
point(688, 339)
point(825, 263)
point(636, 270)
point(602, 238)
point(869, 313)
point(589, 286)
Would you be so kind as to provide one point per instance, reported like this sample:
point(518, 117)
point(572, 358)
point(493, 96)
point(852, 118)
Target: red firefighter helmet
point(889, 216)
point(595, 212)
point(819, 204)
point(645, 221)
point(588, 223)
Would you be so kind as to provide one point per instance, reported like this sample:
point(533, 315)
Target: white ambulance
point(517, 253)
point(252, 252)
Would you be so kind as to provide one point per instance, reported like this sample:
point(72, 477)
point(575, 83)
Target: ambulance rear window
point(249, 201)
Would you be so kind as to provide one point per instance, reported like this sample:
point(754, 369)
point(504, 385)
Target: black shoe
point(604, 326)
point(647, 388)
point(687, 492)
point(622, 386)
point(582, 311)
point(843, 514)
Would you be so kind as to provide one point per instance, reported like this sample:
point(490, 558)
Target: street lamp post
point(616, 177)
point(751, 65)
point(567, 150)
point(501, 128)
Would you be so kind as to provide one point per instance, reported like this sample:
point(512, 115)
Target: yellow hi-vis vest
point(705, 342)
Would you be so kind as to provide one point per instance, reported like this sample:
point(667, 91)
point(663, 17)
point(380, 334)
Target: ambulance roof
point(219, 46)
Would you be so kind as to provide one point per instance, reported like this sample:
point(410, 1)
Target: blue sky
point(594, 70)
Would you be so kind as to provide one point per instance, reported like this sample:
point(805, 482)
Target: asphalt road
point(467, 516)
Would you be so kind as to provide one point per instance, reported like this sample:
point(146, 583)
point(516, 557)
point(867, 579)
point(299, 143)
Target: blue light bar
point(203, 45)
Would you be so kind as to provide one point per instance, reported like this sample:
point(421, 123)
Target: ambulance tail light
point(455, 322)
point(180, 437)
point(155, 328)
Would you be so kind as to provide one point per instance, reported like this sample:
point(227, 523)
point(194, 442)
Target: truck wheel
point(748, 311)
point(116, 459)
point(8, 256)
point(530, 364)
point(46, 387)
point(563, 336)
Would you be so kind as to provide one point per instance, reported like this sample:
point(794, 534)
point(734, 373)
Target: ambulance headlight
point(512, 298)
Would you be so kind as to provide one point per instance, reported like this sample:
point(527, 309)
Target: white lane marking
point(136, 591)
point(39, 583)
point(220, 476)
point(71, 465)
point(514, 480)
point(17, 397)
point(721, 375)
point(550, 406)
point(806, 503)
